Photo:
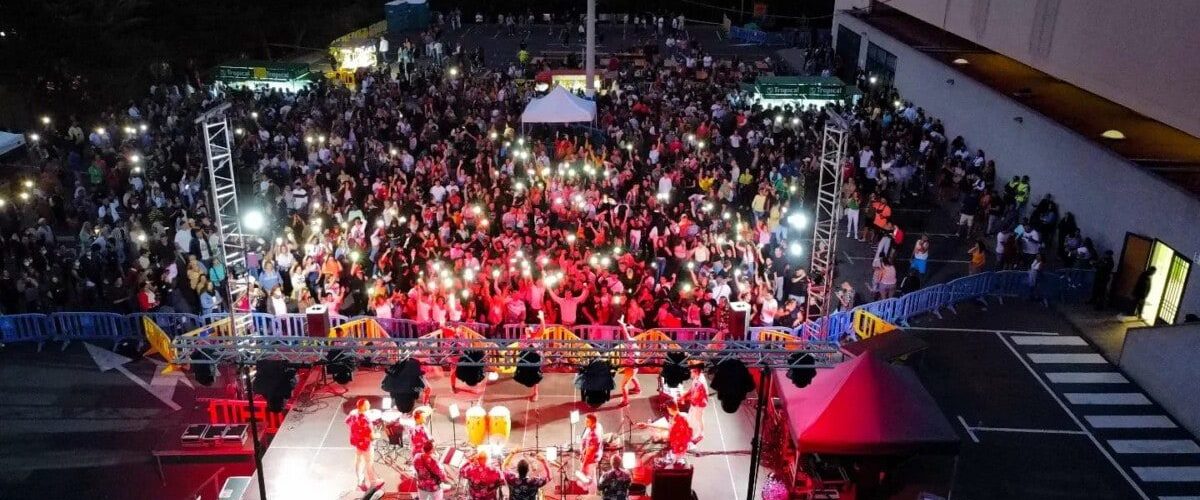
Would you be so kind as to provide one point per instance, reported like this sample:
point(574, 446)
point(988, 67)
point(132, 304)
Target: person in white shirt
point(568, 306)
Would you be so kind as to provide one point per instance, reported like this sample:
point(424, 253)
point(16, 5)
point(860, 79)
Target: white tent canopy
point(559, 106)
point(10, 141)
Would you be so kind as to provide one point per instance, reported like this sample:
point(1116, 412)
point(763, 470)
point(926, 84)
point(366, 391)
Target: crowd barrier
point(1059, 286)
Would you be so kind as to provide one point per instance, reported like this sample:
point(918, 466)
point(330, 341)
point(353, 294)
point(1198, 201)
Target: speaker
point(739, 320)
point(316, 320)
point(672, 483)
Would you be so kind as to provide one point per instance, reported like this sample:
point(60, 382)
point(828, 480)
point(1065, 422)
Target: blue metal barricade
point(26, 328)
point(172, 323)
point(91, 326)
point(291, 325)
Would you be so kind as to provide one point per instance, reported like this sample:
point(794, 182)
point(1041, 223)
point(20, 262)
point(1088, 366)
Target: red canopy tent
point(865, 406)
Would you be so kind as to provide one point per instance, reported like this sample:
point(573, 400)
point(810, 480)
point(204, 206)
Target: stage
point(311, 456)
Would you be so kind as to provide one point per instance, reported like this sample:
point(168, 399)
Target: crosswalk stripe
point(1048, 358)
point(1107, 398)
point(1048, 340)
point(1179, 498)
point(1154, 446)
point(1168, 474)
point(1129, 421)
point(1087, 378)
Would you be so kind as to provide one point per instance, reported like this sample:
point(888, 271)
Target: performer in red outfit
point(361, 438)
point(697, 398)
point(483, 480)
point(592, 444)
point(429, 473)
point(417, 434)
point(680, 435)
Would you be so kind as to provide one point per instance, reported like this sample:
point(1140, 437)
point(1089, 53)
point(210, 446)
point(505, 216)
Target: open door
point(1176, 283)
point(1135, 258)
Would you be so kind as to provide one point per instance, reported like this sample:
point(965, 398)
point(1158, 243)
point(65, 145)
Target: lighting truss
point(828, 211)
point(248, 349)
point(218, 143)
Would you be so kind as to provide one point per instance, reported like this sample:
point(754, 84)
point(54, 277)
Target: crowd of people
point(416, 196)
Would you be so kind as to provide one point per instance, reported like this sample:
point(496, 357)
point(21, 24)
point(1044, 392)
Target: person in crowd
point(522, 486)
point(483, 479)
point(429, 474)
point(614, 485)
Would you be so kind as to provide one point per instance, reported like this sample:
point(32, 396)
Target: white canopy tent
point(559, 106)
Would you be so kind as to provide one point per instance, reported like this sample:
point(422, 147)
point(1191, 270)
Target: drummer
point(523, 487)
point(417, 435)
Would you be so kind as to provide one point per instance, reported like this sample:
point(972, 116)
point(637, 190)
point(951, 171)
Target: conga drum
point(477, 425)
point(499, 425)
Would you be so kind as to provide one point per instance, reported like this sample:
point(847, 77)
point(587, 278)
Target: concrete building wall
point(1108, 194)
point(1140, 54)
point(1163, 362)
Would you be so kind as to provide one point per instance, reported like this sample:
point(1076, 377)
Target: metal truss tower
point(828, 213)
point(218, 144)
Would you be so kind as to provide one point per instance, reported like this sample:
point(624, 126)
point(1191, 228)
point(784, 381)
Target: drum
point(499, 425)
point(476, 425)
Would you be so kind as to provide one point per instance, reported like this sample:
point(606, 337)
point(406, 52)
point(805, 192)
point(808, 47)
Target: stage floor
point(311, 456)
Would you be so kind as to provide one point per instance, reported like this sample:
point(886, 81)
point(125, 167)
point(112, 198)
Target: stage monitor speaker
point(316, 320)
point(739, 320)
point(672, 483)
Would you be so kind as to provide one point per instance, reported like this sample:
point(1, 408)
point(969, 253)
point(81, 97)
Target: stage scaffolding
point(249, 349)
point(828, 212)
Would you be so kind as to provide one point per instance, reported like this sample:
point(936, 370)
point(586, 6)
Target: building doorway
point(1170, 279)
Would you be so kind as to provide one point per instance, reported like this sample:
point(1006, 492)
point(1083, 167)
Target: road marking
point(1179, 498)
point(970, 430)
point(1107, 398)
point(1065, 409)
point(1130, 421)
point(728, 464)
point(1087, 378)
point(107, 360)
point(1068, 359)
point(1168, 474)
point(1044, 340)
point(1154, 446)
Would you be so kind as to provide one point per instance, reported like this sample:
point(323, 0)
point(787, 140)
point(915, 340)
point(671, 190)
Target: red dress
point(697, 395)
point(680, 435)
point(360, 431)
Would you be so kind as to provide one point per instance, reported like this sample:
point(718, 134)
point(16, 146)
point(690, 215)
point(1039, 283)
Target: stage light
point(254, 220)
point(453, 411)
point(551, 453)
point(340, 367)
point(596, 383)
point(404, 382)
point(275, 380)
point(796, 249)
point(629, 460)
point(204, 373)
point(797, 220)
point(799, 376)
point(531, 375)
point(471, 375)
point(674, 369)
point(733, 382)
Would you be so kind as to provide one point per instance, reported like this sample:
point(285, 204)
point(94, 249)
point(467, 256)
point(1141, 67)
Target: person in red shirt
point(429, 473)
point(680, 435)
point(483, 480)
point(592, 443)
point(361, 438)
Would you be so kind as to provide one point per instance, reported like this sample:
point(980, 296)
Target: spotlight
point(254, 220)
point(733, 382)
point(797, 220)
point(801, 376)
point(595, 382)
point(471, 375)
point(204, 373)
point(674, 371)
point(404, 382)
point(275, 380)
point(340, 367)
point(529, 376)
